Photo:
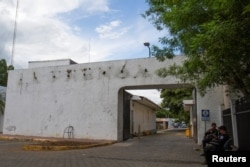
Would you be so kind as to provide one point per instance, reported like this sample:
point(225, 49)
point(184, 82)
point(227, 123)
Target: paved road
point(170, 148)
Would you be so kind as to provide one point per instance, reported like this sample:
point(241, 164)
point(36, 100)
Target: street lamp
point(147, 44)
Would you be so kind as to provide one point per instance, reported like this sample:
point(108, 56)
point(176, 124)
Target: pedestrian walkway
point(169, 148)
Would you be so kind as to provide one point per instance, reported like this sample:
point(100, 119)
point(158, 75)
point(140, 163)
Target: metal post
point(14, 36)
point(205, 126)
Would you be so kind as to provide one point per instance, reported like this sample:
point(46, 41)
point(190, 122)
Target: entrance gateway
point(43, 101)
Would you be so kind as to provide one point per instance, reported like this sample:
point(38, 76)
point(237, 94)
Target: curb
point(24, 139)
point(60, 148)
point(37, 147)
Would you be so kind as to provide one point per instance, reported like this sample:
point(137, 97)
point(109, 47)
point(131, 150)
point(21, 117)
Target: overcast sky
point(82, 30)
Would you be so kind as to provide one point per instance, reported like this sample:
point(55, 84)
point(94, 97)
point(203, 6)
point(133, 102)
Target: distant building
point(51, 96)
point(189, 107)
point(49, 63)
point(164, 123)
point(140, 114)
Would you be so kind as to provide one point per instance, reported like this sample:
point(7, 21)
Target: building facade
point(45, 100)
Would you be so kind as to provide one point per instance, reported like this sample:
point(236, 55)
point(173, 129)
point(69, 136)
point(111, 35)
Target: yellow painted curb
point(25, 139)
point(59, 148)
point(37, 147)
point(7, 138)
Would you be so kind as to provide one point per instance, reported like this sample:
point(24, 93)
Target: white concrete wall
point(44, 101)
point(89, 97)
point(142, 116)
point(211, 101)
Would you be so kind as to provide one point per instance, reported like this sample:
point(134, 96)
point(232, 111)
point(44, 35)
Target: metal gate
point(243, 123)
point(227, 121)
point(126, 115)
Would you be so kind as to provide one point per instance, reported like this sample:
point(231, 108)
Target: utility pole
point(14, 36)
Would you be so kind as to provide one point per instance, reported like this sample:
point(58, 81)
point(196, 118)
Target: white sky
point(82, 30)
point(151, 94)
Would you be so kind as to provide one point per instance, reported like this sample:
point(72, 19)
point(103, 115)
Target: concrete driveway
point(168, 148)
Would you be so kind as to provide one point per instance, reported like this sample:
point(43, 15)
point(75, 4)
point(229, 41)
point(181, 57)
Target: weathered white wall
point(44, 101)
point(211, 101)
point(142, 116)
point(89, 97)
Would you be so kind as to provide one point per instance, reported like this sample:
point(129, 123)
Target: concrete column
point(120, 115)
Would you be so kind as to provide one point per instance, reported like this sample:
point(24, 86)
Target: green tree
point(214, 37)
point(4, 72)
point(163, 113)
point(3, 80)
point(173, 100)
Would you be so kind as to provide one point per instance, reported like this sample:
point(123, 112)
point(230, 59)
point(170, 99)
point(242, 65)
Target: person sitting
point(217, 144)
point(210, 134)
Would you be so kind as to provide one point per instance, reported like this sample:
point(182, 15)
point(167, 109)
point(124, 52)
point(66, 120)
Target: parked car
point(183, 125)
point(176, 124)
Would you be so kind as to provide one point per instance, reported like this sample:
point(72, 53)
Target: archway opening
point(136, 105)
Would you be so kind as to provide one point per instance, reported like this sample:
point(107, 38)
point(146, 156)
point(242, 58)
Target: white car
point(183, 125)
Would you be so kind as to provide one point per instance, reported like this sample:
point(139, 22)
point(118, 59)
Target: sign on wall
point(205, 115)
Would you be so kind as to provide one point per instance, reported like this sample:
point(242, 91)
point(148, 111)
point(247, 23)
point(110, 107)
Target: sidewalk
point(169, 148)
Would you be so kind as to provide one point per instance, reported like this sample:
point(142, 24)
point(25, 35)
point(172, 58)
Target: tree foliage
point(214, 37)
point(3, 80)
point(4, 72)
point(173, 100)
point(164, 114)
